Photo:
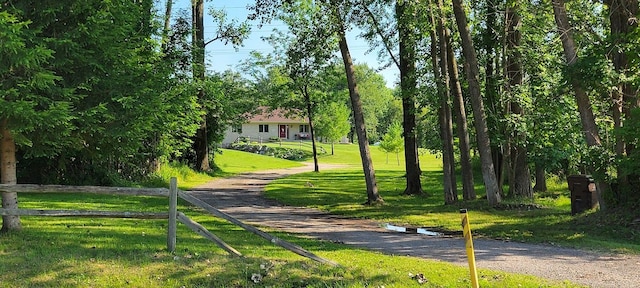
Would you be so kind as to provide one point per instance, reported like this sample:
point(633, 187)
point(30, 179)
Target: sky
point(220, 57)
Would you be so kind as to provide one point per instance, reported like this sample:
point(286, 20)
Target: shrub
point(278, 152)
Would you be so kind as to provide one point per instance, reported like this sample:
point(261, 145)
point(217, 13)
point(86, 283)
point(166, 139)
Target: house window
point(236, 128)
point(304, 128)
point(263, 128)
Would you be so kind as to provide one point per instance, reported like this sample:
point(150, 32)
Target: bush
point(278, 152)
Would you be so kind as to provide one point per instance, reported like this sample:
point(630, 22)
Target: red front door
point(283, 131)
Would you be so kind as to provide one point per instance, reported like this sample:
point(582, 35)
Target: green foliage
point(332, 122)
point(186, 177)
point(228, 162)
point(37, 119)
point(392, 141)
point(392, 114)
point(629, 196)
point(116, 105)
point(278, 152)
point(227, 100)
point(377, 99)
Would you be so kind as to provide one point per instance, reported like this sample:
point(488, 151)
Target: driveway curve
point(241, 197)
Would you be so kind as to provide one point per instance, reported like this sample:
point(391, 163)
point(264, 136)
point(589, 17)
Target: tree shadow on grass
point(73, 252)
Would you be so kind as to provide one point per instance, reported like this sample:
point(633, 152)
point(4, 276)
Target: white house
point(269, 126)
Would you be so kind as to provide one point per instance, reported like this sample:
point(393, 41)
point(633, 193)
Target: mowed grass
point(104, 252)
point(228, 163)
point(83, 252)
point(234, 162)
point(546, 219)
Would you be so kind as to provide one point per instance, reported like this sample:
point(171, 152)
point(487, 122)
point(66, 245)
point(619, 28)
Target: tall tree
point(468, 190)
point(491, 40)
point(591, 133)
point(200, 145)
point(227, 32)
point(373, 196)
point(519, 175)
point(306, 59)
point(405, 15)
point(623, 21)
point(25, 109)
point(338, 13)
point(449, 163)
point(482, 132)
point(441, 74)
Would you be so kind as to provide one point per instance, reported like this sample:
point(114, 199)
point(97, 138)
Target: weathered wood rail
point(173, 215)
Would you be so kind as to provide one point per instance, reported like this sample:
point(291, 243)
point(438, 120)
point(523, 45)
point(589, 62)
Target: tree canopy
point(100, 92)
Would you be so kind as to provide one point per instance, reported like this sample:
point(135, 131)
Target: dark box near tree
point(583, 193)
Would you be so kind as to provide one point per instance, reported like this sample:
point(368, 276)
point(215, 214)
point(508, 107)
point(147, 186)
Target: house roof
point(275, 116)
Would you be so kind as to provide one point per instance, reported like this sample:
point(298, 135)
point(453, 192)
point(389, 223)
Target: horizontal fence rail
point(32, 188)
point(173, 215)
point(84, 213)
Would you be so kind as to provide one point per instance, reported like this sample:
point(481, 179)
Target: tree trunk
point(621, 13)
point(587, 119)
point(408, 83)
point(484, 144)
point(520, 181)
point(307, 99)
point(446, 130)
point(468, 190)
point(200, 143)
point(373, 197)
point(541, 179)
point(571, 54)
point(167, 25)
point(494, 107)
point(8, 176)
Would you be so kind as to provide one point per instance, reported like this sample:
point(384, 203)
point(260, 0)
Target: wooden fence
point(173, 215)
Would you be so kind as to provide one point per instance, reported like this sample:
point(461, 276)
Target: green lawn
point(83, 252)
point(102, 252)
point(228, 162)
point(546, 219)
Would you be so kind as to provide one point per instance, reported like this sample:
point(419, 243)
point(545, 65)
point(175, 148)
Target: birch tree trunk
point(482, 132)
point(8, 176)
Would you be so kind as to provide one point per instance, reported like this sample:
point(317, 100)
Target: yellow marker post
point(466, 231)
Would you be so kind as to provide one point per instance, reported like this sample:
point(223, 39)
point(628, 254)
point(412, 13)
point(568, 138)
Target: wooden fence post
point(173, 212)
